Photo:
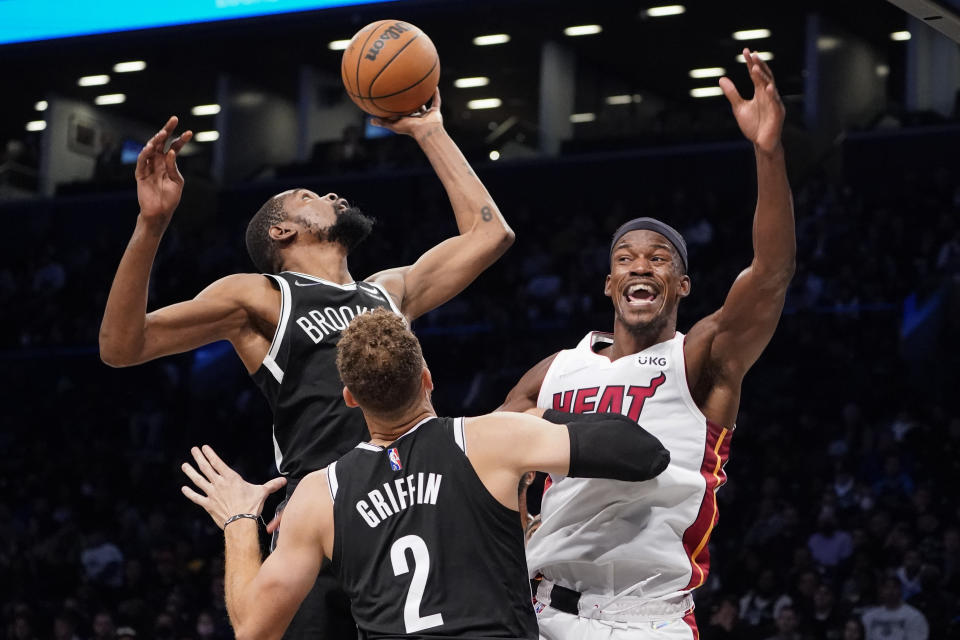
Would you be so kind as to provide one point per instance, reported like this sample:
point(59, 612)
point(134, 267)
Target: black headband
point(652, 224)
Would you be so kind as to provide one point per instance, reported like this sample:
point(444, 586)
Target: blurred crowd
point(840, 518)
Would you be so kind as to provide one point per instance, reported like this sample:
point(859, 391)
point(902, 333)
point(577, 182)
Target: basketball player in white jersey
point(620, 561)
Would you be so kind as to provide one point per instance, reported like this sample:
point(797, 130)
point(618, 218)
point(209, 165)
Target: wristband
point(252, 516)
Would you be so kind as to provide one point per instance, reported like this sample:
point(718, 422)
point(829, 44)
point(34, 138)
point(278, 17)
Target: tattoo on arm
point(469, 170)
point(486, 213)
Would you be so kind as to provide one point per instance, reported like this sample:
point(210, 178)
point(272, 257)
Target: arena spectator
point(894, 619)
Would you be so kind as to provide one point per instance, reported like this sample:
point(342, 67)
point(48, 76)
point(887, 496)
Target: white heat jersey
point(642, 539)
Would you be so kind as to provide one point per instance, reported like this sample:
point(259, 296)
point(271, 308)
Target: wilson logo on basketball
point(391, 33)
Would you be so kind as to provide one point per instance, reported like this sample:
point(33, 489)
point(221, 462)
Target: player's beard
point(351, 228)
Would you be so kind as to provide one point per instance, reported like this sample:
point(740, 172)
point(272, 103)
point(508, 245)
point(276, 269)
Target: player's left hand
point(421, 120)
point(760, 118)
point(225, 493)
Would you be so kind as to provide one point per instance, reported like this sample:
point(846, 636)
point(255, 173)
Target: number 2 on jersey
point(421, 559)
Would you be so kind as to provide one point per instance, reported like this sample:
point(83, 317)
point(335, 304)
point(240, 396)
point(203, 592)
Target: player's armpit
point(266, 607)
point(524, 395)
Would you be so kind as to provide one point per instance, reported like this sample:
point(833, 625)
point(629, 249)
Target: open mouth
point(639, 295)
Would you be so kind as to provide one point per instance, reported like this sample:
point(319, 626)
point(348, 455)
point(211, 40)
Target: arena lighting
point(882, 70)
point(763, 55)
point(666, 10)
point(496, 38)
point(578, 118)
point(206, 136)
point(130, 67)
point(484, 103)
point(706, 92)
point(36, 125)
point(707, 72)
point(751, 34)
point(338, 45)
point(93, 81)
point(900, 36)
point(494, 155)
point(583, 30)
point(110, 98)
point(205, 110)
point(40, 106)
point(619, 99)
point(466, 83)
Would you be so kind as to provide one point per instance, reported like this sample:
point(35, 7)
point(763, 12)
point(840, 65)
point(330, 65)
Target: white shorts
point(558, 625)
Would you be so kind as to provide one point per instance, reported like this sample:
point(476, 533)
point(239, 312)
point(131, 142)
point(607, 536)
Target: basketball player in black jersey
point(284, 325)
point(421, 522)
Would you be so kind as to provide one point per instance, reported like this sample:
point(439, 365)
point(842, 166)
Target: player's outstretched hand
point(420, 120)
point(225, 493)
point(159, 183)
point(760, 118)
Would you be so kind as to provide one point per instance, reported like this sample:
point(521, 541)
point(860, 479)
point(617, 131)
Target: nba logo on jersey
point(394, 459)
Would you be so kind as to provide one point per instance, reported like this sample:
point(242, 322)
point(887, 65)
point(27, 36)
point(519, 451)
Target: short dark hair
point(380, 361)
point(261, 247)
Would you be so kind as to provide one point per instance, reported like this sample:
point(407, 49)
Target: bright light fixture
point(484, 103)
point(494, 155)
point(624, 99)
point(36, 125)
point(751, 34)
point(40, 105)
point(129, 67)
point(900, 36)
point(577, 118)
point(882, 70)
point(206, 136)
point(666, 10)
point(495, 38)
point(93, 81)
point(110, 98)
point(338, 45)
point(827, 43)
point(466, 83)
point(707, 72)
point(205, 110)
point(583, 30)
point(706, 92)
point(763, 55)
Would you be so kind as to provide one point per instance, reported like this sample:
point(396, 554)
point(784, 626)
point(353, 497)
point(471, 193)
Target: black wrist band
point(252, 516)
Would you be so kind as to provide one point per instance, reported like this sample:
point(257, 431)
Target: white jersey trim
point(458, 434)
point(681, 356)
point(286, 303)
point(350, 286)
point(374, 447)
point(277, 455)
point(332, 482)
point(390, 301)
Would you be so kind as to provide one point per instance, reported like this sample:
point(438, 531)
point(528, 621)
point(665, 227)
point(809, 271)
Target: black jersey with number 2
point(420, 545)
point(311, 424)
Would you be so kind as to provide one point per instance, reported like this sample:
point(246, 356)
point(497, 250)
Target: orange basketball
point(390, 68)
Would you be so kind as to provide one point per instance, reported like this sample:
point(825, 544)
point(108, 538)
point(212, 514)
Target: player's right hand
point(159, 183)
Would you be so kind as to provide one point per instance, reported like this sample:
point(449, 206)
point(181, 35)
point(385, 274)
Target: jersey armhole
point(458, 434)
point(390, 301)
point(286, 304)
point(332, 483)
point(543, 397)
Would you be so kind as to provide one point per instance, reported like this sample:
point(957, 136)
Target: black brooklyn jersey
point(311, 424)
point(421, 547)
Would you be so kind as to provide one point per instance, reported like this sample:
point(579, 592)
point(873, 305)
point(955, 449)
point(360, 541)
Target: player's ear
point(348, 399)
point(282, 232)
point(606, 286)
point(426, 379)
point(685, 286)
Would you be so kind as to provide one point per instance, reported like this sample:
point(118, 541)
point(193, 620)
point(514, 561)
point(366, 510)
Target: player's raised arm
point(448, 268)
point(733, 338)
point(503, 446)
point(262, 598)
point(128, 334)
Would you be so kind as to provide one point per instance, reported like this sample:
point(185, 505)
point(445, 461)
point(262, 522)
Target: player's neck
point(627, 341)
point(383, 431)
point(328, 264)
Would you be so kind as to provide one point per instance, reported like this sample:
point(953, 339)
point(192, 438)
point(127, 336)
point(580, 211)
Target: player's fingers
point(204, 464)
point(170, 161)
point(274, 524)
point(172, 123)
point(730, 91)
point(195, 477)
point(436, 99)
point(193, 496)
point(218, 465)
point(766, 68)
point(181, 140)
point(143, 162)
point(274, 485)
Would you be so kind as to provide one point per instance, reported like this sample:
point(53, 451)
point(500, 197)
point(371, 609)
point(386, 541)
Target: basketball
point(390, 68)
